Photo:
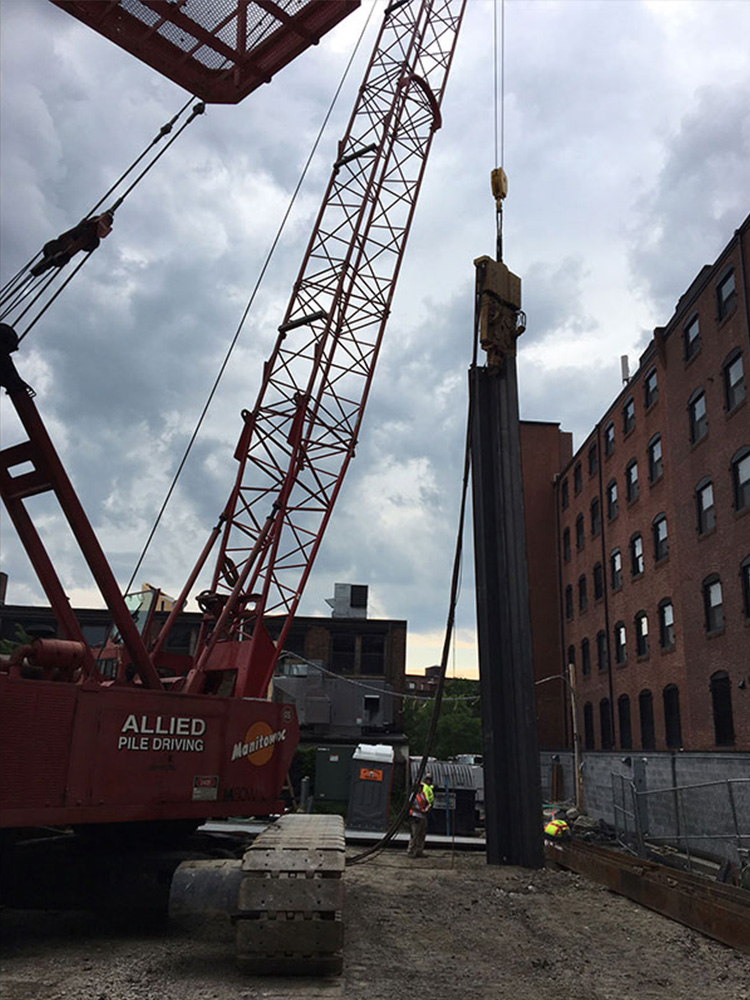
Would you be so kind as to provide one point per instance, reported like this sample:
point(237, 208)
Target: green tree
point(459, 728)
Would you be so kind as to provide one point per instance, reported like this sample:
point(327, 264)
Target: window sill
point(666, 650)
point(636, 576)
point(656, 480)
point(617, 589)
point(632, 501)
point(643, 658)
point(650, 406)
point(661, 562)
point(742, 513)
point(715, 633)
point(699, 442)
point(735, 409)
point(621, 665)
point(706, 534)
point(626, 434)
point(729, 311)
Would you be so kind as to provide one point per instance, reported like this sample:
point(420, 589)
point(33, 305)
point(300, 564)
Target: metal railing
point(707, 820)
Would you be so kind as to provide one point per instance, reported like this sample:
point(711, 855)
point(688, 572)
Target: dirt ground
point(439, 927)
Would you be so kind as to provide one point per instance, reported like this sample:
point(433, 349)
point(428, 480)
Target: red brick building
point(653, 538)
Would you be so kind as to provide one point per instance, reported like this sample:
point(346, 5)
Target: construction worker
point(420, 805)
point(557, 828)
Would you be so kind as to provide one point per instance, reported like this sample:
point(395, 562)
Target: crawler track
point(290, 901)
point(719, 911)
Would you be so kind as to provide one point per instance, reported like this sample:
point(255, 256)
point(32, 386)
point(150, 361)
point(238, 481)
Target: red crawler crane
point(160, 741)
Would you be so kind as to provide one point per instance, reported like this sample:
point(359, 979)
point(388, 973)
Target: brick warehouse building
point(653, 536)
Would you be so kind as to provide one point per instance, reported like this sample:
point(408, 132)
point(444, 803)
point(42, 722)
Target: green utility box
point(333, 773)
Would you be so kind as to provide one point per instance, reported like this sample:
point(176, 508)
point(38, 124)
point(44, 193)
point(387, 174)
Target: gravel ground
point(440, 927)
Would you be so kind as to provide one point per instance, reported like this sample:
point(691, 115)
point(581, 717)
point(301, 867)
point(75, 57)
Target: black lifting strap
point(9, 377)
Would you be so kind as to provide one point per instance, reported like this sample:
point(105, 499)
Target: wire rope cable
point(250, 302)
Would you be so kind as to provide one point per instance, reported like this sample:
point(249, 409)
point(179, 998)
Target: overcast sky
point(627, 146)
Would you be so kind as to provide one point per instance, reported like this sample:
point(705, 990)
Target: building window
point(615, 566)
point(585, 658)
point(577, 479)
point(598, 582)
point(650, 388)
point(621, 653)
point(713, 603)
point(726, 295)
point(636, 555)
point(580, 532)
point(666, 624)
point(697, 414)
point(704, 503)
point(631, 481)
point(661, 537)
point(672, 724)
point(566, 544)
point(745, 577)
point(692, 338)
point(741, 479)
point(623, 717)
point(641, 634)
point(343, 652)
point(602, 659)
point(372, 654)
point(628, 415)
point(564, 494)
point(569, 602)
point(646, 713)
point(583, 600)
point(612, 499)
point(655, 464)
point(721, 700)
point(609, 439)
point(596, 517)
point(571, 656)
point(605, 724)
point(734, 381)
point(593, 460)
point(588, 726)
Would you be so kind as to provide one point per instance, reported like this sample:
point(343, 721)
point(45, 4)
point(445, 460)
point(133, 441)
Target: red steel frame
point(300, 436)
point(220, 50)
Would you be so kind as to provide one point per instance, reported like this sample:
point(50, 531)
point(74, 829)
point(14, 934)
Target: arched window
point(631, 480)
point(666, 624)
point(672, 723)
point(599, 582)
point(577, 479)
point(704, 506)
point(636, 555)
point(569, 601)
point(596, 517)
point(698, 416)
point(602, 659)
point(615, 569)
point(713, 603)
point(580, 532)
point(612, 499)
point(583, 600)
point(650, 388)
point(655, 461)
point(564, 494)
point(585, 658)
point(623, 717)
point(691, 337)
point(646, 712)
point(721, 700)
point(605, 724)
point(609, 439)
point(641, 634)
point(588, 726)
point(571, 656)
point(661, 537)
point(741, 478)
point(734, 380)
point(566, 545)
point(621, 653)
point(726, 294)
point(628, 415)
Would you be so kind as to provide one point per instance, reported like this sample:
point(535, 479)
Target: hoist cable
point(165, 129)
point(42, 311)
point(250, 302)
point(23, 294)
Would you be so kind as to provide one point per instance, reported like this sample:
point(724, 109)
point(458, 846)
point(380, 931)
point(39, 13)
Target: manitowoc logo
point(259, 743)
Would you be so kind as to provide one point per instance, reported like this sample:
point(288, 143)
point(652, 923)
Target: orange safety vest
point(421, 802)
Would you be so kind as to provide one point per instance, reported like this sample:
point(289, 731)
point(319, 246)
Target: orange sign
point(368, 774)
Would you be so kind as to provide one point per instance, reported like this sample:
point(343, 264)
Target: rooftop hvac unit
point(349, 600)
